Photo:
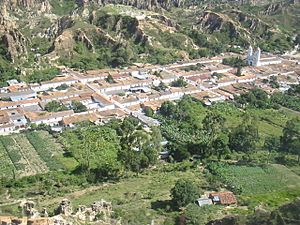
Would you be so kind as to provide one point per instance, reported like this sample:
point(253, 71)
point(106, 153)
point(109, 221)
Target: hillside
point(40, 34)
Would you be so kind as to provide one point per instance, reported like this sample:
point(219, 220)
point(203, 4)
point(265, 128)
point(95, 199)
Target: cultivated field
point(256, 179)
point(28, 154)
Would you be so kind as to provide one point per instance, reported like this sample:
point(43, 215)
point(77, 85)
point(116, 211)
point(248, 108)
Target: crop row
point(253, 179)
point(46, 149)
point(6, 166)
point(14, 153)
point(36, 164)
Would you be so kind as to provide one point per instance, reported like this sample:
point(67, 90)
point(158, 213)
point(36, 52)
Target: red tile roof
point(225, 198)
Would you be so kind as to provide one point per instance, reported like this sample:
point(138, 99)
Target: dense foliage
point(184, 192)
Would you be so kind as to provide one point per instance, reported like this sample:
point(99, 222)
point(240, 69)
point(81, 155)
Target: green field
point(28, 154)
point(256, 179)
point(45, 149)
point(6, 166)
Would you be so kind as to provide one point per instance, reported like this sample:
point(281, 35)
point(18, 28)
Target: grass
point(251, 180)
point(137, 199)
point(6, 165)
point(46, 147)
point(13, 153)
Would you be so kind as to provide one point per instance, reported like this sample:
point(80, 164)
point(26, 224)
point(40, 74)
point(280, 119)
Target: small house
point(223, 198)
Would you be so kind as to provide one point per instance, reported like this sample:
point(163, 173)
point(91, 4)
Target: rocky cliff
point(92, 33)
point(141, 4)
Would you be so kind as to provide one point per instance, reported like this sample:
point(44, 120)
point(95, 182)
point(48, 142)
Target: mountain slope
point(38, 34)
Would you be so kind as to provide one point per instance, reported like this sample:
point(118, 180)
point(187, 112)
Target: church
point(256, 58)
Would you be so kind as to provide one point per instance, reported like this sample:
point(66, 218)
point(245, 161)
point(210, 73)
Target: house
point(204, 201)
point(141, 75)
point(223, 198)
point(103, 102)
point(75, 119)
point(17, 118)
point(6, 126)
point(19, 95)
point(22, 103)
point(48, 118)
point(54, 83)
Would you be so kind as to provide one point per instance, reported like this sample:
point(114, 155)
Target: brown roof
point(18, 103)
point(4, 118)
point(35, 116)
point(102, 99)
point(225, 198)
point(92, 117)
point(112, 113)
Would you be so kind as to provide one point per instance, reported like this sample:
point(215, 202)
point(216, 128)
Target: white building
point(255, 59)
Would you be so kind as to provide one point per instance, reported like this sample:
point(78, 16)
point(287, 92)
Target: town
point(99, 95)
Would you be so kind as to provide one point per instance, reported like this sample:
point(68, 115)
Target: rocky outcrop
point(41, 5)
point(141, 4)
point(80, 36)
point(15, 43)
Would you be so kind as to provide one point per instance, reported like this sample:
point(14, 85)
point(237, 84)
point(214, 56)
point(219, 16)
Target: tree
point(220, 145)
point(167, 109)
point(161, 87)
point(213, 124)
point(239, 71)
point(234, 62)
point(272, 144)
point(180, 82)
point(110, 79)
point(78, 107)
point(244, 137)
point(184, 192)
point(62, 87)
point(148, 111)
point(179, 151)
point(139, 148)
point(290, 140)
point(95, 149)
point(55, 106)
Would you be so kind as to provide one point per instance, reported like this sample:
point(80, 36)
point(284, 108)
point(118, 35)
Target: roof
point(21, 103)
point(112, 113)
point(92, 117)
point(37, 116)
point(101, 99)
point(204, 201)
point(224, 198)
point(18, 93)
point(4, 118)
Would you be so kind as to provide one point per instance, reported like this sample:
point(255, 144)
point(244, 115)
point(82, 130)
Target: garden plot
point(256, 179)
point(23, 155)
point(46, 147)
point(14, 154)
point(6, 165)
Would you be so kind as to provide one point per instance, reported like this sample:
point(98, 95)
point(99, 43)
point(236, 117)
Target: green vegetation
point(180, 82)
point(251, 180)
point(193, 67)
point(28, 154)
point(290, 100)
point(78, 107)
point(39, 76)
point(6, 167)
point(234, 62)
point(55, 106)
point(184, 192)
point(46, 150)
